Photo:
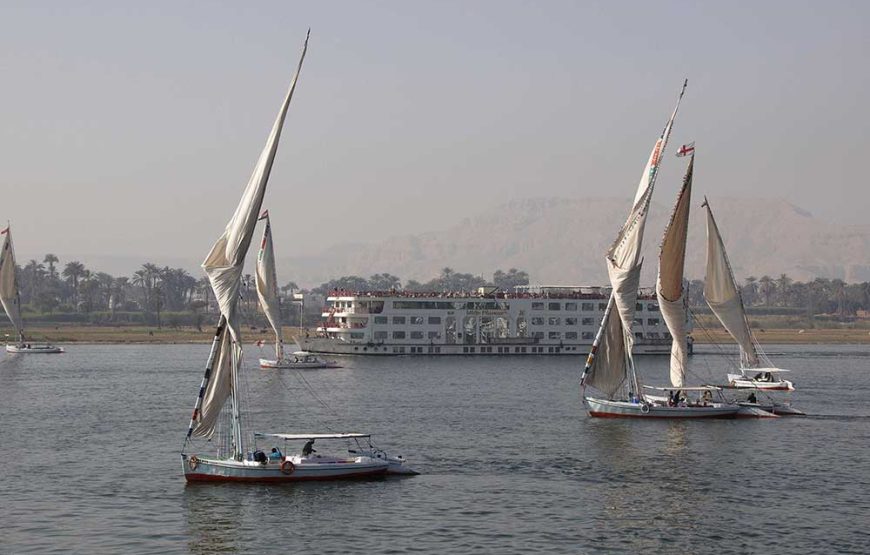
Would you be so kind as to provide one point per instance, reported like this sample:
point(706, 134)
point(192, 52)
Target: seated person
point(276, 454)
point(308, 448)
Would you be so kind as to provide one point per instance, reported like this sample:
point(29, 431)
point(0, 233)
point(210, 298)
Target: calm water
point(510, 461)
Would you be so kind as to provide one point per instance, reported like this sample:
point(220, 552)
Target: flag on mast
point(686, 149)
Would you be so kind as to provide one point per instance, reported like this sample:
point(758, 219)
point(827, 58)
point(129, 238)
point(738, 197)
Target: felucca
point(723, 298)
point(237, 455)
point(267, 292)
point(11, 300)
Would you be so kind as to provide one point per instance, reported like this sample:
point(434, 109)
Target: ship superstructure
point(528, 321)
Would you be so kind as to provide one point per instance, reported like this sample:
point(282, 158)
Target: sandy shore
point(125, 334)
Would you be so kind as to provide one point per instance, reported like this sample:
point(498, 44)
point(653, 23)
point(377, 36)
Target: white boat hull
point(291, 365)
point(34, 349)
point(778, 409)
point(604, 408)
point(740, 381)
point(291, 469)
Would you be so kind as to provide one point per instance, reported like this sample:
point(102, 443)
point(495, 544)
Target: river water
point(510, 462)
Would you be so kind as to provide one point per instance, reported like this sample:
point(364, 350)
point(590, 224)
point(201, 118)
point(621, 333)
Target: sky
point(131, 128)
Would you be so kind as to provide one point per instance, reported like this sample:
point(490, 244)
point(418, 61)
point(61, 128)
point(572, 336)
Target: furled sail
point(223, 265)
point(669, 285)
point(722, 294)
point(8, 285)
point(267, 285)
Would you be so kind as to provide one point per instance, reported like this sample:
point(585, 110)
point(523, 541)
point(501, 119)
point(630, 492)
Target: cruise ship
point(540, 320)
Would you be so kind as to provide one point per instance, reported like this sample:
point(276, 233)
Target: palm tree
point(51, 260)
point(782, 285)
point(72, 272)
point(750, 290)
point(766, 288)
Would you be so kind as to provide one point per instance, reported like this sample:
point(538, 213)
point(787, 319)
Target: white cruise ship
point(538, 320)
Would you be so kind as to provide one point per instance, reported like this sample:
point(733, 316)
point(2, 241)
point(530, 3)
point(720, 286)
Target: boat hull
point(740, 381)
point(603, 408)
point(290, 365)
point(223, 470)
point(34, 349)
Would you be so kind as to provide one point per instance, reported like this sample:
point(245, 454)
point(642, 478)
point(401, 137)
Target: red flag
point(264, 215)
point(686, 149)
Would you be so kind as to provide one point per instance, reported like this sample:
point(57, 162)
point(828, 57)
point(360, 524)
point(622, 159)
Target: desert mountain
point(562, 241)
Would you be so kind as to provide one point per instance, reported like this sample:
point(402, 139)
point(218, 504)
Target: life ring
point(288, 467)
point(193, 462)
point(644, 408)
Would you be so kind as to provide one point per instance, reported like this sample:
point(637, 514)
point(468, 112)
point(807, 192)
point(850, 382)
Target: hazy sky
point(131, 128)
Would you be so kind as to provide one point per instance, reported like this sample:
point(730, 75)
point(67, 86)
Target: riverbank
point(145, 335)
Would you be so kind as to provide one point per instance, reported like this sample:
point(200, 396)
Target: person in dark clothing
point(308, 448)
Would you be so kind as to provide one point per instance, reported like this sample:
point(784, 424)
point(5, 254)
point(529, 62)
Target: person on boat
point(276, 454)
point(707, 397)
point(752, 398)
point(308, 448)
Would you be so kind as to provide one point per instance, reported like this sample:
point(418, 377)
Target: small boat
point(11, 301)
point(724, 299)
point(219, 404)
point(610, 365)
point(767, 379)
point(299, 360)
point(308, 464)
point(34, 349)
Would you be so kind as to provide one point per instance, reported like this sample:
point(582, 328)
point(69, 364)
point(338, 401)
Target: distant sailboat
point(723, 297)
point(610, 366)
point(238, 458)
point(11, 300)
point(267, 292)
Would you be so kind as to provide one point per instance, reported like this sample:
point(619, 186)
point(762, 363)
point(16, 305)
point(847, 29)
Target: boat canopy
point(770, 370)
point(300, 437)
point(692, 388)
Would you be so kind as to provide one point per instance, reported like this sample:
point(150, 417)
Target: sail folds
point(8, 285)
point(267, 286)
point(722, 294)
point(224, 264)
point(669, 285)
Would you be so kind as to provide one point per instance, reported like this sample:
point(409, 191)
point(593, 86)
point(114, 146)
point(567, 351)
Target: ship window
point(416, 335)
point(537, 306)
point(588, 321)
point(434, 320)
point(554, 335)
point(571, 321)
point(588, 307)
point(380, 319)
point(653, 335)
point(639, 307)
point(399, 320)
point(538, 334)
point(554, 306)
point(587, 335)
point(554, 321)
point(667, 335)
point(571, 307)
point(380, 335)
point(638, 321)
point(570, 335)
point(434, 335)
point(638, 335)
point(537, 321)
point(357, 335)
point(602, 306)
point(652, 307)
point(417, 320)
point(652, 321)
point(398, 335)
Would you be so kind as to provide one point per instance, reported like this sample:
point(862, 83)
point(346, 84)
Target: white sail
point(722, 294)
point(267, 286)
point(9, 285)
point(223, 265)
point(669, 285)
point(610, 362)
